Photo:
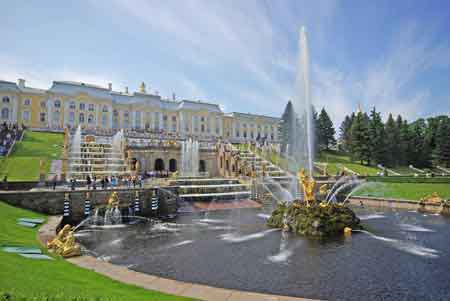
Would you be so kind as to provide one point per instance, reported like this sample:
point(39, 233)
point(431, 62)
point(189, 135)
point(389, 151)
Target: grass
point(26, 279)
point(337, 160)
point(23, 162)
point(407, 191)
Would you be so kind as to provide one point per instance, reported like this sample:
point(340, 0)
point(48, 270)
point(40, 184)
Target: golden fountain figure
point(64, 243)
point(113, 200)
point(308, 184)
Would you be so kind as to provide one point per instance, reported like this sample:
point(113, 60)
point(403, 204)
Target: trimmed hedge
point(409, 179)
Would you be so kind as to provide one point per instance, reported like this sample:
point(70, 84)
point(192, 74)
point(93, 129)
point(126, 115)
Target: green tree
point(345, 136)
point(360, 138)
point(391, 141)
point(288, 124)
point(377, 147)
point(443, 142)
point(420, 151)
point(325, 131)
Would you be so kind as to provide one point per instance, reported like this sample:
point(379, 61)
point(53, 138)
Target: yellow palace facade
point(69, 104)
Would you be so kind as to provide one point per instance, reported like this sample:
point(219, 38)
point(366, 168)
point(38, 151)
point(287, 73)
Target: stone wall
point(51, 202)
point(148, 156)
point(394, 203)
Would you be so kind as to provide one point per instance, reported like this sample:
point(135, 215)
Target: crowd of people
point(9, 132)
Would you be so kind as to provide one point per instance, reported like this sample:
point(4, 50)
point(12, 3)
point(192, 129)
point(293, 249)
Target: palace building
point(69, 104)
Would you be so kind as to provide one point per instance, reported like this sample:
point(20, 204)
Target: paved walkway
point(169, 286)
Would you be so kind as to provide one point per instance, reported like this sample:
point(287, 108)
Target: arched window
point(72, 105)
point(27, 102)
point(57, 103)
point(81, 118)
point(5, 99)
point(5, 113)
point(90, 119)
point(159, 164)
point(105, 108)
point(172, 165)
point(82, 106)
point(202, 166)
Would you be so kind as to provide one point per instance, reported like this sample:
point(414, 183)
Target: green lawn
point(23, 162)
point(336, 161)
point(26, 279)
point(407, 191)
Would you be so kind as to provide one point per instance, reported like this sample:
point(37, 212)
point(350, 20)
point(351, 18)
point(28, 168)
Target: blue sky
point(241, 54)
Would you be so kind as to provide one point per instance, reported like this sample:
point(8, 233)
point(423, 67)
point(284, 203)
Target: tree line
point(371, 141)
point(396, 142)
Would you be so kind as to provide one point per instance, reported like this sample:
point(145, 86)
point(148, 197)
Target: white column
point(15, 104)
point(111, 117)
point(49, 114)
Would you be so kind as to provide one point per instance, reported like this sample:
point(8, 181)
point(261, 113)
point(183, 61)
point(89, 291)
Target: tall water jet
point(76, 142)
point(301, 142)
point(189, 158)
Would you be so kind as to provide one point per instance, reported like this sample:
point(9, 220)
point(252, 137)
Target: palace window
point(115, 113)
point(217, 125)
point(208, 124)
point(5, 99)
point(202, 127)
point(57, 103)
point(42, 117)
point(104, 120)
point(27, 102)
point(90, 119)
point(137, 121)
point(5, 113)
point(71, 117)
point(156, 120)
point(82, 106)
point(245, 134)
point(81, 118)
point(195, 118)
point(105, 109)
point(174, 123)
point(72, 105)
point(56, 116)
point(26, 115)
point(202, 119)
point(43, 104)
point(126, 115)
point(91, 107)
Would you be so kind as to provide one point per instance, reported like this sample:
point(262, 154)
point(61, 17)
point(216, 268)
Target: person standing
point(88, 182)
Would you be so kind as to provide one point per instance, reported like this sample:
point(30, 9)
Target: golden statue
point(323, 190)
point(434, 198)
point(142, 87)
point(308, 184)
point(264, 169)
point(64, 243)
point(41, 167)
point(113, 200)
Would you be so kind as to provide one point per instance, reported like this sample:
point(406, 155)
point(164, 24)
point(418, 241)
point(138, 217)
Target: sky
point(243, 55)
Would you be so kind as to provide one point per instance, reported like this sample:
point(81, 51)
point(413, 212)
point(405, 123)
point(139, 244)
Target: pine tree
point(345, 133)
point(391, 141)
point(443, 142)
point(288, 125)
point(325, 131)
point(360, 138)
point(405, 143)
point(376, 135)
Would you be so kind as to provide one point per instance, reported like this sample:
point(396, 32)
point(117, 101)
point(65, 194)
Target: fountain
point(97, 156)
point(310, 216)
point(189, 158)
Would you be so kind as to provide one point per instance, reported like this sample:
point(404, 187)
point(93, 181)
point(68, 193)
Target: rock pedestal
point(315, 220)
